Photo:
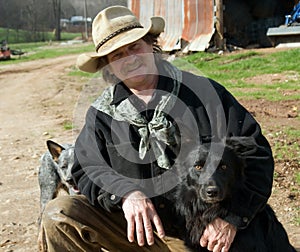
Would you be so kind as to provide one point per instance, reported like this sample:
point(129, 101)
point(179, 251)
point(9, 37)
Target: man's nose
point(130, 58)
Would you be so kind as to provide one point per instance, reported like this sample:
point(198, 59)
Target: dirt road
point(36, 100)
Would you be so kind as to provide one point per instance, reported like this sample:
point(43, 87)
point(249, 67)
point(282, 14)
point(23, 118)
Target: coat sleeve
point(252, 194)
point(92, 171)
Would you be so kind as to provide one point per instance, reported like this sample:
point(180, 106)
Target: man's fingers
point(211, 245)
point(130, 229)
point(156, 222)
point(203, 240)
point(218, 236)
point(139, 230)
point(218, 247)
point(148, 230)
point(158, 226)
point(226, 247)
point(140, 213)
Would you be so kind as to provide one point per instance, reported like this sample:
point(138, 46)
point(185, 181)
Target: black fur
point(204, 193)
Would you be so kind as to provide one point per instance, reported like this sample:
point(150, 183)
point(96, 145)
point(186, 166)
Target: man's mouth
point(133, 67)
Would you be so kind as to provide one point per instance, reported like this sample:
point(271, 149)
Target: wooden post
point(57, 14)
point(85, 21)
point(219, 25)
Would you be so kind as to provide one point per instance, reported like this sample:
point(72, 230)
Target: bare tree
point(57, 15)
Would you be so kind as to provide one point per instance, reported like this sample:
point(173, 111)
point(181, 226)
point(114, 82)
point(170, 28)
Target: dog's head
point(210, 170)
point(63, 156)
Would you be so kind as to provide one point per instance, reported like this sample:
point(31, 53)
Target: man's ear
point(55, 149)
point(242, 146)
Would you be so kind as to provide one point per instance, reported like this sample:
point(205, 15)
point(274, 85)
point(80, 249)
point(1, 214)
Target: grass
point(235, 71)
point(286, 144)
point(22, 36)
point(297, 178)
point(43, 50)
point(75, 72)
point(68, 125)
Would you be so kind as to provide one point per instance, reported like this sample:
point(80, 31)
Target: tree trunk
point(57, 12)
point(219, 25)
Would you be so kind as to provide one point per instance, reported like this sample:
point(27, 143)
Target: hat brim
point(92, 63)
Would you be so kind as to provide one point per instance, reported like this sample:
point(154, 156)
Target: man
point(133, 136)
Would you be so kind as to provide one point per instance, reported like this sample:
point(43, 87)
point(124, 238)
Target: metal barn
point(189, 23)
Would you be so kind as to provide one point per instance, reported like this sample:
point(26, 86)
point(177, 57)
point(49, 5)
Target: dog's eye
point(223, 167)
point(198, 167)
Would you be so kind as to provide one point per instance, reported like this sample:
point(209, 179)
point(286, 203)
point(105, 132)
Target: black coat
point(107, 165)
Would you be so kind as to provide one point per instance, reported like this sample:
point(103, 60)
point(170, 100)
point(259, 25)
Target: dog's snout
point(212, 191)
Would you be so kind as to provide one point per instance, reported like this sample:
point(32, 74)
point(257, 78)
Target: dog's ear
point(55, 149)
point(242, 146)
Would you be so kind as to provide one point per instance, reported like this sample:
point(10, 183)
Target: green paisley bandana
point(158, 128)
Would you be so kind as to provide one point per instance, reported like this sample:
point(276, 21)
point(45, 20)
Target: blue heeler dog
point(55, 172)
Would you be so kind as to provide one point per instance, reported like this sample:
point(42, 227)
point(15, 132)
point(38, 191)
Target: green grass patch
point(297, 178)
point(76, 72)
point(43, 50)
point(286, 145)
point(68, 125)
point(53, 51)
point(235, 71)
point(22, 36)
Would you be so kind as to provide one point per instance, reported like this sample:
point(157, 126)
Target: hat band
point(130, 27)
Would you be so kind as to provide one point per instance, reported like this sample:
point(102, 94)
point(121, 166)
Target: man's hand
point(139, 213)
point(218, 236)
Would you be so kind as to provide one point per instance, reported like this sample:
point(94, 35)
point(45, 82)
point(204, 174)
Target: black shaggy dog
point(207, 180)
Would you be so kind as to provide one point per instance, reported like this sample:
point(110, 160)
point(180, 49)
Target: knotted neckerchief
point(159, 127)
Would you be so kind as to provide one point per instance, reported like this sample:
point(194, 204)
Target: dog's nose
point(212, 191)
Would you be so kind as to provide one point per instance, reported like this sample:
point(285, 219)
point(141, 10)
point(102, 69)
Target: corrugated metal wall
point(189, 23)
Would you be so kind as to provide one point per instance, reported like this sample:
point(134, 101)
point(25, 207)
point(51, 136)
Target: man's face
point(134, 64)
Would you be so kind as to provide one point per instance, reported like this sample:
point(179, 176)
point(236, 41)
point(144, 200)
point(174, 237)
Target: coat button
point(112, 197)
point(245, 219)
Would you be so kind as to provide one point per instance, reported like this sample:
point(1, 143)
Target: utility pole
point(220, 42)
point(85, 21)
point(57, 15)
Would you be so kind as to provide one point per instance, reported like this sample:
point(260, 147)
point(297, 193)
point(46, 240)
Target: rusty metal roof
point(189, 23)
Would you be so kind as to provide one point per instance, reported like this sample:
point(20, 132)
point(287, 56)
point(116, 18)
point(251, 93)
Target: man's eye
point(135, 46)
point(116, 56)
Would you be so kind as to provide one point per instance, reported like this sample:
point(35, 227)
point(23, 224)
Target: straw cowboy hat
point(113, 28)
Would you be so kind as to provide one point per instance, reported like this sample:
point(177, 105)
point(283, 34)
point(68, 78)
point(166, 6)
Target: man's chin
point(136, 78)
